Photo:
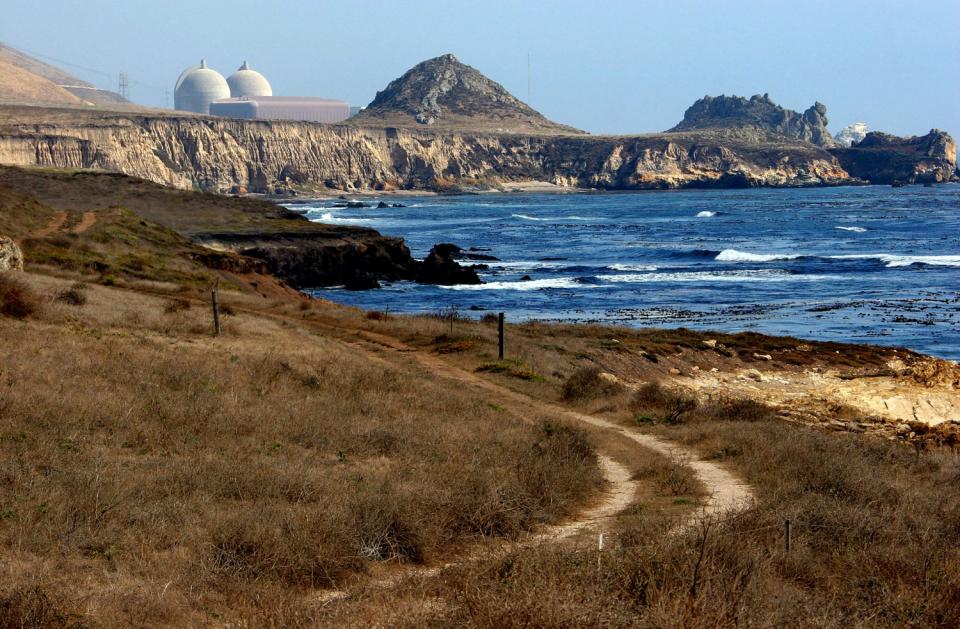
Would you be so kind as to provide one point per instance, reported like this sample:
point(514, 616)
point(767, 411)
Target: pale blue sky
point(604, 66)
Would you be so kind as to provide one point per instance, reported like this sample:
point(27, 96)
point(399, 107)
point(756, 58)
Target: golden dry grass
point(152, 474)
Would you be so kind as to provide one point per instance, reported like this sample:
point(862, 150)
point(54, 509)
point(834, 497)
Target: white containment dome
point(248, 83)
point(199, 86)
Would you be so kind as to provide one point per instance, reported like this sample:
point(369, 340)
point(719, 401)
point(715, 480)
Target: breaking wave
point(895, 260)
point(732, 255)
point(632, 267)
point(857, 230)
point(526, 285)
point(753, 275)
point(706, 214)
point(892, 260)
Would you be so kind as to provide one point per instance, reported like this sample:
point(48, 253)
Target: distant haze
point(602, 66)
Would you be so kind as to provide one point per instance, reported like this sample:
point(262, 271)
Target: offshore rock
point(761, 113)
point(881, 158)
point(441, 267)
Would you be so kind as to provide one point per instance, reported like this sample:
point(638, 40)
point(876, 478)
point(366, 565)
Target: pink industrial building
point(282, 108)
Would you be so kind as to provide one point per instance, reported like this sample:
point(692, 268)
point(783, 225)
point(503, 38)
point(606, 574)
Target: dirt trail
point(618, 498)
point(88, 220)
point(56, 222)
point(726, 492)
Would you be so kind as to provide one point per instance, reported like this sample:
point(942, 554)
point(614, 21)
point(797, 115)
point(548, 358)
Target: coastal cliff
point(882, 158)
point(223, 155)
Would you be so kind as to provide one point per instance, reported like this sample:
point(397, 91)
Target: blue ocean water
point(858, 264)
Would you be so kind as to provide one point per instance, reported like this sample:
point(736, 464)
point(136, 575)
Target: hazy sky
point(601, 65)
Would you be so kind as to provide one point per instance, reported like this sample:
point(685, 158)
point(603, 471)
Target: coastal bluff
point(226, 155)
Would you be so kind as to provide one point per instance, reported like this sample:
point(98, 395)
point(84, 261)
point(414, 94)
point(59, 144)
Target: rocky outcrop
point(356, 259)
point(444, 93)
point(851, 134)
point(759, 112)
point(441, 267)
point(882, 158)
point(218, 154)
point(11, 258)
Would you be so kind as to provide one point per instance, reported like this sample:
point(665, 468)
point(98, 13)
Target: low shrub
point(16, 299)
point(33, 607)
point(512, 368)
point(653, 400)
point(176, 305)
point(588, 383)
point(73, 296)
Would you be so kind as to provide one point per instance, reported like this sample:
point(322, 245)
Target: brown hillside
point(19, 85)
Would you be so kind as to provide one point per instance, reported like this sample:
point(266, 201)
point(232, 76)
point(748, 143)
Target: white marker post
point(599, 550)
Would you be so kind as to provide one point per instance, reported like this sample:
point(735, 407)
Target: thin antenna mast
point(528, 78)
point(124, 86)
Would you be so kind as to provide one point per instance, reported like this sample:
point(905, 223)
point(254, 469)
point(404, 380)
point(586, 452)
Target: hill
point(19, 85)
point(28, 80)
point(759, 112)
point(443, 93)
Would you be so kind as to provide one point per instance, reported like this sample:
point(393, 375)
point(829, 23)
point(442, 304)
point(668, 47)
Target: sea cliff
point(223, 155)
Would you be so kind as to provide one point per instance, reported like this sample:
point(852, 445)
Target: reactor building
point(247, 94)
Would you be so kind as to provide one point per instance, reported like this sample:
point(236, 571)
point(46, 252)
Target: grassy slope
point(153, 474)
point(876, 524)
point(188, 213)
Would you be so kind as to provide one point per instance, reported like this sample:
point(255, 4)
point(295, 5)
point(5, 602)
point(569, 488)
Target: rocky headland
point(888, 159)
point(758, 115)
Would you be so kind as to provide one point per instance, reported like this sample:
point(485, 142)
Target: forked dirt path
point(726, 493)
point(88, 221)
point(56, 222)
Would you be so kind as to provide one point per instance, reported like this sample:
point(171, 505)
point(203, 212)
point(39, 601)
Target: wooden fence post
point(500, 333)
point(216, 311)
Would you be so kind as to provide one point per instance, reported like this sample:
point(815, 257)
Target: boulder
point(11, 258)
point(441, 267)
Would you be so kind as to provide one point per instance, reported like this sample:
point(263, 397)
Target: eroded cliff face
point(882, 158)
point(220, 155)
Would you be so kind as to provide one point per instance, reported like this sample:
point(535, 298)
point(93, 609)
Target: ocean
point(855, 264)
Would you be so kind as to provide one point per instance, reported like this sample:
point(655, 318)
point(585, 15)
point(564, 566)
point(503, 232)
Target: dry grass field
point(316, 465)
point(152, 474)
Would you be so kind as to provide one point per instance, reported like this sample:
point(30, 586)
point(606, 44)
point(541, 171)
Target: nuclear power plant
point(247, 94)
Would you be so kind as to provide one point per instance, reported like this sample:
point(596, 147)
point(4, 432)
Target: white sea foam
point(858, 230)
point(732, 255)
point(525, 264)
point(706, 214)
point(892, 260)
point(895, 260)
point(632, 267)
point(328, 217)
point(528, 218)
point(525, 285)
point(574, 217)
point(753, 275)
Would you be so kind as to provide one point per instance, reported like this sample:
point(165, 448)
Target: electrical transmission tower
point(124, 86)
